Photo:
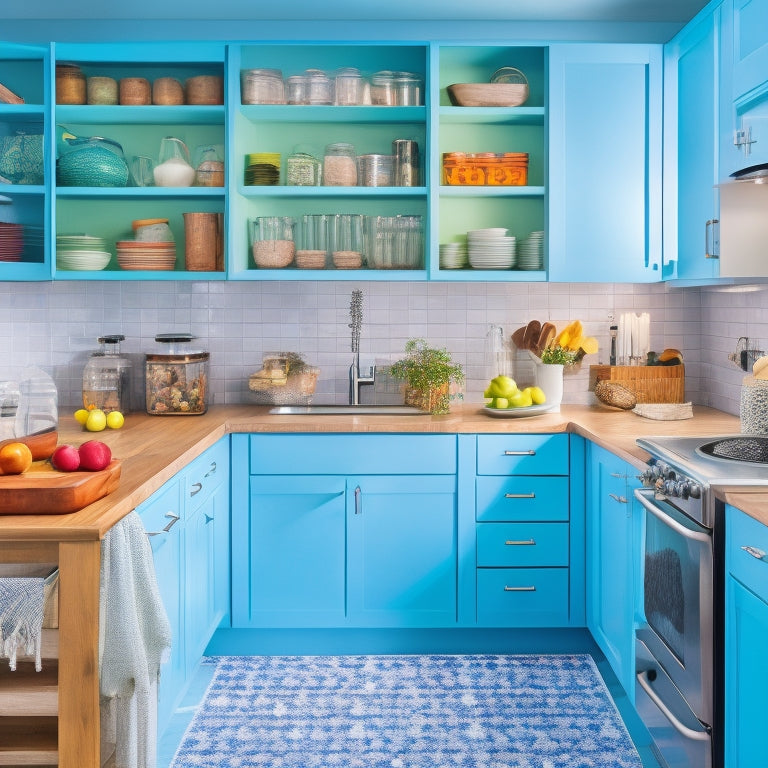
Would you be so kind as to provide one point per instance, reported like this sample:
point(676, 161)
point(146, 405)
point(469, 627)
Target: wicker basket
point(203, 246)
point(425, 401)
point(167, 91)
point(650, 384)
point(488, 94)
point(615, 395)
point(135, 91)
point(205, 89)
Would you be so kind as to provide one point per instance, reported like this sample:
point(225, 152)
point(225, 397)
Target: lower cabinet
point(746, 628)
point(612, 550)
point(187, 521)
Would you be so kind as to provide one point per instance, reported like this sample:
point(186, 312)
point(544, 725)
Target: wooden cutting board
point(42, 490)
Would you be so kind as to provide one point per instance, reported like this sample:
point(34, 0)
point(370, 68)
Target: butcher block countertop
point(154, 448)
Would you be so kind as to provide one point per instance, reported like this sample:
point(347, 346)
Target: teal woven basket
point(92, 163)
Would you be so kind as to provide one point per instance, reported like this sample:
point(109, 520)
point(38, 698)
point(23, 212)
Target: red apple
point(65, 458)
point(94, 455)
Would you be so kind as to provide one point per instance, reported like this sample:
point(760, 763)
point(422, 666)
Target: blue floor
point(172, 736)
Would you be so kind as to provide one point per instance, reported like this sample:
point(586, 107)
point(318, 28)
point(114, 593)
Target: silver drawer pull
point(358, 500)
point(618, 475)
point(519, 543)
point(212, 470)
point(519, 589)
point(758, 554)
point(620, 499)
point(195, 488)
point(174, 518)
point(519, 495)
point(520, 453)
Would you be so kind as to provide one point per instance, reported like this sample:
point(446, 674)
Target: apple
point(521, 400)
point(501, 386)
point(94, 455)
point(65, 458)
point(501, 402)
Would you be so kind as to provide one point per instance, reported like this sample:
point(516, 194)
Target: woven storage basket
point(167, 91)
point(205, 89)
point(203, 234)
point(615, 395)
point(425, 401)
point(135, 91)
point(651, 384)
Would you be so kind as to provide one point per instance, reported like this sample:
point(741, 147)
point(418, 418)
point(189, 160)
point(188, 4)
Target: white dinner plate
point(518, 413)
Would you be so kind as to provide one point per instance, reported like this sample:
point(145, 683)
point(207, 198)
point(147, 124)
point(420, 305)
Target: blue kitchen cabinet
point(746, 627)
point(695, 75)
point(605, 155)
point(612, 550)
point(345, 530)
point(25, 129)
point(750, 47)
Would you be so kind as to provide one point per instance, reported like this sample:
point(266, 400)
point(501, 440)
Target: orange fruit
point(15, 458)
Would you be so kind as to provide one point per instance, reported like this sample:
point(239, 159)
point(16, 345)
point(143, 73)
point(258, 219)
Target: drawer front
point(522, 454)
point(207, 472)
point(510, 499)
point(162, 510)
point(748, 566)
point(353, 454)
point(522, 597)
point(522, 544)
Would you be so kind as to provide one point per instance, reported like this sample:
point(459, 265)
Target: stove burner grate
point(748, 449)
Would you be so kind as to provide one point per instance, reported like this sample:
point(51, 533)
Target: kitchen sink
point(341, 410)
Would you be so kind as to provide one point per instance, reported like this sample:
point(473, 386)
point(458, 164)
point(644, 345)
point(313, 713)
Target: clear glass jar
point(106, 377)
point(340, 166)
point(297, 89)
point(302, 170)
point(348, 89)
point(177, 378)
point(262, 86)
point(320, 87)
point(272, 241)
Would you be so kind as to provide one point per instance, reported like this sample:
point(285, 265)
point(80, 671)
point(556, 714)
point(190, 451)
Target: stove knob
point(695, 491)
point(684, 489)
point(670, 488)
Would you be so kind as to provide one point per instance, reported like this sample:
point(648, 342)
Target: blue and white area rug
point(474, 711)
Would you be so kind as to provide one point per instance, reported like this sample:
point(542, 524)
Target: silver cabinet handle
point(687, 533)
point(519, 589)
point(519, 495)
point(212, 470)
point(620, 499)
point(683, 730)
point(174, 518)
point(757, 553)
point(520, 453)
point(618, 475)
point(520, 543)
point(195, 488)
point(709, 253)
point(358, 501)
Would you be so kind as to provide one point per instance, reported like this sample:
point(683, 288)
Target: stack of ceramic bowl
point(262, 169)
point(81, 252)
point(490, 248)
point(453, 255)
point(11, 241)
point(531, 252)
point(136, 254)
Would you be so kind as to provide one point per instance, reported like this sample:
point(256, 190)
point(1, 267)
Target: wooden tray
point(42, 490)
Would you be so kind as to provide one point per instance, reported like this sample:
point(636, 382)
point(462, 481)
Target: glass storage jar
point(176, 378)
point(106, 377)
point(272, 241)
point(340, 165)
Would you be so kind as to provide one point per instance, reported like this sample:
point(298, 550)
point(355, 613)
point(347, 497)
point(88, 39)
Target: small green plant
point(429, 372)
point(558, 355)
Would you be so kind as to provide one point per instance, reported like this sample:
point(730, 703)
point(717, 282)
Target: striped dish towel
point(21, 618)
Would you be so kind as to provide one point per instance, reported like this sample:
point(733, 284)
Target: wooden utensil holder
point(650, 383)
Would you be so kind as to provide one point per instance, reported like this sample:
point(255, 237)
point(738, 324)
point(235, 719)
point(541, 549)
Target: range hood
point(758, 174)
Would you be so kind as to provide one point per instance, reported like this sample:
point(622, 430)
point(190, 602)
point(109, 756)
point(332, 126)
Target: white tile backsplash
point(55, 326)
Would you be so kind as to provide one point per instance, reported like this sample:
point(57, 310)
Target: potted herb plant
point(428, 373)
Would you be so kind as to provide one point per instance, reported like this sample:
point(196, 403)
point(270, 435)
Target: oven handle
point(681, 728)
point(641, 496)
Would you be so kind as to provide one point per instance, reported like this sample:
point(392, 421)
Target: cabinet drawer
point(522, 454)
point(522, 544)
point(161, 511)
point(518, 597)
point(353, 454)
point(521, 498)
point(207, 472)
point(747, 566)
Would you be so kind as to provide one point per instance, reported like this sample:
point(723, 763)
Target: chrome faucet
point(356, 377)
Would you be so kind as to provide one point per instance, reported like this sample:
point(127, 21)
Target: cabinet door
point(295, 560)
point(605, 163)
point(692, 64)
point(402, 549)
point(612, 562)
point(750, 46)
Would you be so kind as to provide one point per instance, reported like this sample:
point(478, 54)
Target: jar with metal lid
point(320, 88)
point(348, 88)
point(176, 378)
point(107, 377)
point(340, 165)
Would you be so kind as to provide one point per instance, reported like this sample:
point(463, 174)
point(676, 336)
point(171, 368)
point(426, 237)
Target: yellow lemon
point(538, 396)
point(81, 416)
point(115, 420)
point(96, 421)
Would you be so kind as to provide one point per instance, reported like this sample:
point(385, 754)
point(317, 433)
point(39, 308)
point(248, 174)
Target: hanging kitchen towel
point(134, 639)
point(21, 617)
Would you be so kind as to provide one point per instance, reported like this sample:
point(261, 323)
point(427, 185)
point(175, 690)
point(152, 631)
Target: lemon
point(538, 396)
point(96, 421)
point(115, 420)
point(81, 416)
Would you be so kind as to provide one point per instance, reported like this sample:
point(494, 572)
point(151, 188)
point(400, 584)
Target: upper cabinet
point(139, 139)
point(25, 163)
point(605, 118)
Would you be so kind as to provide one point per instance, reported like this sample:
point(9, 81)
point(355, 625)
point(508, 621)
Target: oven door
point(678, 600)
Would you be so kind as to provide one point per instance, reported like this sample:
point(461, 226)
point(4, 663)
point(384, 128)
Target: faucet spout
point(358, 378)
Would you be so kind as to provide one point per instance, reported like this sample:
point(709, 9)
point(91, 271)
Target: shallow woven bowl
point(488, 94)
point(615, 395)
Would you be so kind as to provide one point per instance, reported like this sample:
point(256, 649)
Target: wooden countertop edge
point(153, 449)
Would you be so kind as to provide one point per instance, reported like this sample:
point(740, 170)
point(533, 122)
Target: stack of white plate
point(136, 254)
point(453, 255)
point(81, 252)
point(491, 248)
point(530, 255)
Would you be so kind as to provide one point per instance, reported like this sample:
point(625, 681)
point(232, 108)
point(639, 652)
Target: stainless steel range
point(679, 648)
